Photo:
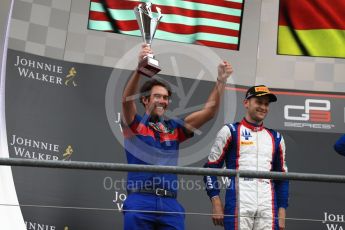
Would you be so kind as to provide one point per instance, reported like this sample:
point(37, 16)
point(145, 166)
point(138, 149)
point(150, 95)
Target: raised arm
point(131, 89)
point(197, 119)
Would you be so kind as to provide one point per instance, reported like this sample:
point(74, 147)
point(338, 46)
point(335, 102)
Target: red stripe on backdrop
point(178, 28)
point(168, 27)
point(183, 29)
point(217, 44)
point(127, 25)
point(199, 14)
point(119, 4)
point(127, 5)
point(234, 5)
point(315, 14)
point(98, 16)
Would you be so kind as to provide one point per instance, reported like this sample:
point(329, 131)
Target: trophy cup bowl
point(148, 24)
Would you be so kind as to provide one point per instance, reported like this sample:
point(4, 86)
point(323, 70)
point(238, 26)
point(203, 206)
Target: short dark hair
point(145, 90)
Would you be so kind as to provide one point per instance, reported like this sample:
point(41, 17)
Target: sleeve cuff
point(282, 204)
point(213, 193)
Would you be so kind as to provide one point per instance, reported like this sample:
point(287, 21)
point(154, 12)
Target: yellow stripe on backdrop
point(321, 42)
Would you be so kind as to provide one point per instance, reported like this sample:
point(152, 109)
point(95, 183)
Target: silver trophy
point(148, 24)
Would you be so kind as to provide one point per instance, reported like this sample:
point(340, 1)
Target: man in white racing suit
point(258, 204)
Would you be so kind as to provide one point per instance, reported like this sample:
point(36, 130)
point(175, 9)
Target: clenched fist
point(224, 71)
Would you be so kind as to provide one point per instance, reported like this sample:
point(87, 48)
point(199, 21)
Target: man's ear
point(144, 100)
point(245, 103)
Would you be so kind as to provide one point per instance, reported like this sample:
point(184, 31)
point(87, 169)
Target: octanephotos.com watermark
point(183, 184)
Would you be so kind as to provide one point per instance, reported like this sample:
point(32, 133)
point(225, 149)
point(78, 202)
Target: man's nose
point(263, 106)
point(163, 100)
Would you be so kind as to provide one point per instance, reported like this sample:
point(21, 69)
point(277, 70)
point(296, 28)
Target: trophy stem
point(149, 66)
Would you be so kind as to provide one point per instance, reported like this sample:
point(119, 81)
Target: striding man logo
point(68, 153)
point(70, 77)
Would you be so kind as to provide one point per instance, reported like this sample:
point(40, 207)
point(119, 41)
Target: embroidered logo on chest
point(246, 134)
point(160, 127)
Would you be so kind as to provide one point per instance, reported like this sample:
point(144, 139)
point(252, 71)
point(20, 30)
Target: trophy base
point(148, 67)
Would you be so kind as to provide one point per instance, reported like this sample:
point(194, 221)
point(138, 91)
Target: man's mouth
point(160, 107)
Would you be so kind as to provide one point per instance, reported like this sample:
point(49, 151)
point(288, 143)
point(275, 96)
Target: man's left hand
point(224, 71)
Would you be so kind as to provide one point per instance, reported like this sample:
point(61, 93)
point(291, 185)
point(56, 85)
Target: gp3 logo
point(313, 110)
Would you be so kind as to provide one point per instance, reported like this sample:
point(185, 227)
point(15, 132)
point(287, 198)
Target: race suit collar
point(253, 127)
